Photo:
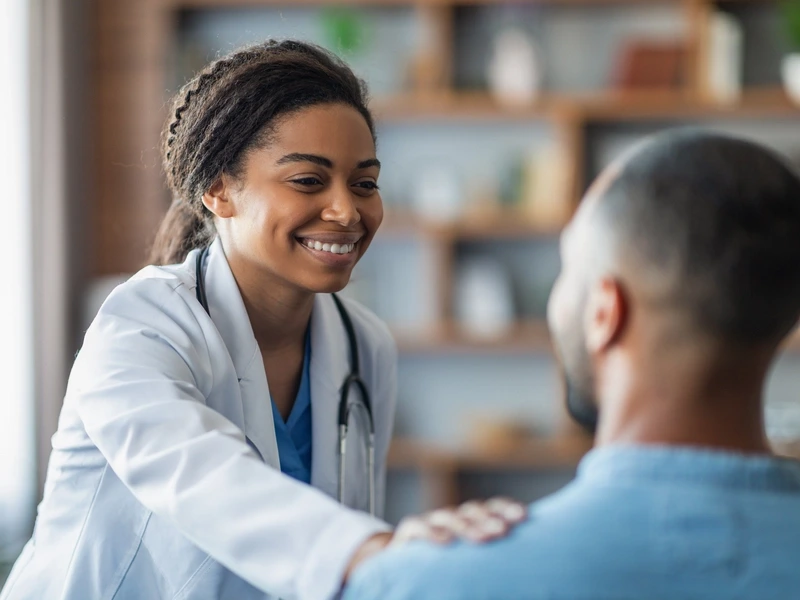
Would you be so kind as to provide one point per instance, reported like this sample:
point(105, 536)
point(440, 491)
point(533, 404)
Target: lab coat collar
point(230, 317)
point(329, 368)
point(228, 312)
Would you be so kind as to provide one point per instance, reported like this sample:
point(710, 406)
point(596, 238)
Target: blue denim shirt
point(638, 523)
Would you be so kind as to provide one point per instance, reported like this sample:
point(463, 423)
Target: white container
point(437, 195)
point(484, 300)
point(725, 58)
point(514, 73)
point(790, 69)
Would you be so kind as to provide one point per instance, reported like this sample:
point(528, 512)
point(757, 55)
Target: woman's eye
point(307, 181)
point(367, 185)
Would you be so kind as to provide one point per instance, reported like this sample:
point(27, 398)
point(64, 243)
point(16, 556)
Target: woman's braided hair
point(229, 108)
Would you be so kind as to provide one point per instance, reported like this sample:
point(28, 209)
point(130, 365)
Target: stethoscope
point(363, 404)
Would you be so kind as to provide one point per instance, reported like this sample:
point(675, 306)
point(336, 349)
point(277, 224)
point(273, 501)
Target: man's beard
point(581, 406)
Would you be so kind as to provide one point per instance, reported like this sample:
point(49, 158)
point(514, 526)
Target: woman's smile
point(332, 249)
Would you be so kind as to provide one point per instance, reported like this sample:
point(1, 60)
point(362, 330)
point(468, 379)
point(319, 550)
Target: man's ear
point(606, 314)
point(218, 198)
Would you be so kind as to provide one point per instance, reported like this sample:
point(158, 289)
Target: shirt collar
point(704, 467)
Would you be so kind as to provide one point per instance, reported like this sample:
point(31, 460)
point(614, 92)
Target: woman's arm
point(138, 385)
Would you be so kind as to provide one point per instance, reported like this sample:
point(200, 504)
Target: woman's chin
point(330, 284)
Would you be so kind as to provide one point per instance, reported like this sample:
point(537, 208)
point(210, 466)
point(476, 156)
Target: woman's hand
point(473, 521)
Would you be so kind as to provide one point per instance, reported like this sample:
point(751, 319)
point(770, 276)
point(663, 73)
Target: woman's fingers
point(484, 525)
point(449, 519)
point(474, 521)
point(509, 510)
point(420, 528)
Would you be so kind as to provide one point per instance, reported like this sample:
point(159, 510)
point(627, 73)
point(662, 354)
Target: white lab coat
point(164, 478)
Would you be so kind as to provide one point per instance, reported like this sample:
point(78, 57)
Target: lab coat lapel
point(230, 317)
point(329, 367)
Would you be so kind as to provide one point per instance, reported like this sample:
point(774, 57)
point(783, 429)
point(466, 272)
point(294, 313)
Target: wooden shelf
point(195, 4)
point(754, 103)
point(441, 468)
point(555, 452)
point(504, 224)
point(524, 337)
point(599, 107)
point(210, 4)
point(416, 455)
point(452, 105)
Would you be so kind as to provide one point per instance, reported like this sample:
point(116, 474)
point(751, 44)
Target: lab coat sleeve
point(138, 385)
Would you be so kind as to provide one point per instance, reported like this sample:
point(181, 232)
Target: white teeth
point(332, 248)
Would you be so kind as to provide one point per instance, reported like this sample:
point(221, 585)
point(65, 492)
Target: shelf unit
point(131, 42)
point(581, 109)
point(441, 468)
point(525, 337)
point(530, 336)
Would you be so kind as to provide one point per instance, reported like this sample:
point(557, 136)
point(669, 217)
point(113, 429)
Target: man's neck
point(686, 399)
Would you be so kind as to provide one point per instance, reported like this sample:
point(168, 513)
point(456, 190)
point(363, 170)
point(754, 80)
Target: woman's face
point(305, 207)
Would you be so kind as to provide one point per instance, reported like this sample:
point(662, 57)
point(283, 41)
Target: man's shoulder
point(617, 535)
point(536, 558)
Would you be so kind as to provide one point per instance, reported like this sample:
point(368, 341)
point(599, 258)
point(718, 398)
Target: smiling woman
point(201, 444)
point(315, 184)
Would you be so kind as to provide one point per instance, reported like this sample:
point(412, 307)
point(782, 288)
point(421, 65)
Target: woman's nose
point(341, 208)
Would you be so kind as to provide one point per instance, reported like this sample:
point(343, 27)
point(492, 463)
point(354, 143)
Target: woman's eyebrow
point(322, 161)
point(299, 157)
point(370, 162)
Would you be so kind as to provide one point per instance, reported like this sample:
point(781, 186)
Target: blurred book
point(545, 189)
point(651, 65)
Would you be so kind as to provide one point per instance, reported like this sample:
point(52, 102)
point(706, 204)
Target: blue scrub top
point(294, 435)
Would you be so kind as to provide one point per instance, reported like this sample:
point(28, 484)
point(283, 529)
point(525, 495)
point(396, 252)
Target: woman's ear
point(218, 198)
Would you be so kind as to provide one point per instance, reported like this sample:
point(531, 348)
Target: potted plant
point(790, 69)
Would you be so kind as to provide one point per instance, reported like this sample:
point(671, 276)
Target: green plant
point(344, 30)
point(790, 15)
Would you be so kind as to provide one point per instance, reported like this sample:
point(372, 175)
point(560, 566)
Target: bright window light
point(17, 455)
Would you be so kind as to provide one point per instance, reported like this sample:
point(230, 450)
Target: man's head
point(691, 235)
